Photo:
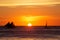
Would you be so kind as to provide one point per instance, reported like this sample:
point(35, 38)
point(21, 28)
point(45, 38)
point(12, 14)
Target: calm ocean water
point(29, 34)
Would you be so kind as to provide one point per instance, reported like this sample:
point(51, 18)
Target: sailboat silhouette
point(10, 25)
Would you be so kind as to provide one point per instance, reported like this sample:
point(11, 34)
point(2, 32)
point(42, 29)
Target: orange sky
point(36, 12)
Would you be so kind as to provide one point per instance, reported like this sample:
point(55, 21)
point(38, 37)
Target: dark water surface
point(19, 33)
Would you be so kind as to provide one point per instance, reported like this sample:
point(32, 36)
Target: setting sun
point(29, 24)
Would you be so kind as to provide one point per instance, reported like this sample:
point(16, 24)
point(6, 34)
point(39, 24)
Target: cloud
point(33, 10)
point(28, 2)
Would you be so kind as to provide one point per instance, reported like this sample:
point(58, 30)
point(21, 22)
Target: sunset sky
point(36, 12)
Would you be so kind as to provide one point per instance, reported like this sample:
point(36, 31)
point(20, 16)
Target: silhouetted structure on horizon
point(10, 25)
point(46, 25)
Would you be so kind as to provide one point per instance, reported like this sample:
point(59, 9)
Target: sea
point(29, 33)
